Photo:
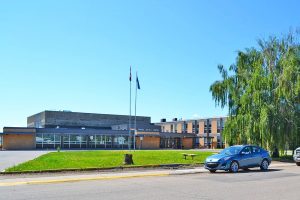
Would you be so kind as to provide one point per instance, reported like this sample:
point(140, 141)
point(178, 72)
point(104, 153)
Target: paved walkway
point(11, 158)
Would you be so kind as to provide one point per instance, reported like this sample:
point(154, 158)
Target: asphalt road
point(278, 183)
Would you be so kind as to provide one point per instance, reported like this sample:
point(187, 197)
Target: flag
point(130, 75)
point(137, 82)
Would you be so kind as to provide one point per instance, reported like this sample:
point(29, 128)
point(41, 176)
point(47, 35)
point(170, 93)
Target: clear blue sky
point(75, 55)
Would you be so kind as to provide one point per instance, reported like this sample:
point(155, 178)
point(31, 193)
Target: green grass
point(284, 158)
point(106, 159)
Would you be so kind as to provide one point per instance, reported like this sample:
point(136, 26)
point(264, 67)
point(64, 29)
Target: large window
point(39, 141)
point(84, 141)
point(108, 142)
point(69, 141)
point(48, 141)
point(120, 142)
point(66, 139)
point(100, 141)
point(75, 141)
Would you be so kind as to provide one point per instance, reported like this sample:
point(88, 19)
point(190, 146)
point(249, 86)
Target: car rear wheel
point(234, 167)
point(264, 165)
point(298, 163)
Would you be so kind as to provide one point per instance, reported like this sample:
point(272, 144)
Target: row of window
point(195, 127)
point(70, 141)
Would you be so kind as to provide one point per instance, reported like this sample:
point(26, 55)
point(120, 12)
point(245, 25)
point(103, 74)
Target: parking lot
point(11, 158)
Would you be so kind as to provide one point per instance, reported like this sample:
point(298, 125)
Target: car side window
point(246, 150)
point(255, 149)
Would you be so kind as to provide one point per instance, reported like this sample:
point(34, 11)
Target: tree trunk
point(128, 159)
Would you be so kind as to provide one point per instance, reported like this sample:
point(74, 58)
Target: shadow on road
point(249, 171)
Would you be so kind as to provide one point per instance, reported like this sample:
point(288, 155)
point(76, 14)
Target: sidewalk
point(96, 176)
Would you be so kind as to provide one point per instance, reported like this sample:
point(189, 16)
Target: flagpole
point(129, 128)
point(135, 130)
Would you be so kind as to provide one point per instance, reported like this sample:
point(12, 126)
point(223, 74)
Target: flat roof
point(11, 127)
point(71, 112)
point(18, 130)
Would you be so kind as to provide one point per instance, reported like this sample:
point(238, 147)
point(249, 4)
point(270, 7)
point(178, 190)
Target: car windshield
point(231, 150)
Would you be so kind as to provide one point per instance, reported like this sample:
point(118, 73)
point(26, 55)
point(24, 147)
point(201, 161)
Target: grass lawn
point(106, 159)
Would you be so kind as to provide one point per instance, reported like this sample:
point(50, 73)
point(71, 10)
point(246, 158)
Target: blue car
point(239, 157)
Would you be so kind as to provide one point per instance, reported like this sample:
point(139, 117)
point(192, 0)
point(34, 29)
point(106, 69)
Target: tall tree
point(262, 92)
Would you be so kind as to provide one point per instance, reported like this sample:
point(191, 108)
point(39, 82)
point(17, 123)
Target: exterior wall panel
point(190, 127)
point(19, 142)
point(148, 143)
point(201, 127)
point(187, 143)
point(179, 128)
point(167, 128)
point(52, 119)
point(214, 126)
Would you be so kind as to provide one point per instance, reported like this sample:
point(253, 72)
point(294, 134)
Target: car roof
point(240, 145)
point(245, 145)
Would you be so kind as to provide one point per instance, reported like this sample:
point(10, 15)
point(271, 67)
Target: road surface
point(281, 182)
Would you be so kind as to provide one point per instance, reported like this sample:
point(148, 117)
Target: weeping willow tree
point(262, 92)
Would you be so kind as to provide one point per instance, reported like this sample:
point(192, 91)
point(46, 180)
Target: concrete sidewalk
point(96, 176)
point(17, 180)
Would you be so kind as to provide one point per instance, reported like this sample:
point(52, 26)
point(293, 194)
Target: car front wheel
point(264, 165)
point(234, 167)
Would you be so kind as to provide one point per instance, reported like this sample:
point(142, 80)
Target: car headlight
point(225, 159)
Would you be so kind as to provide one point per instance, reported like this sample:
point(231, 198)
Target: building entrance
point(170, 143)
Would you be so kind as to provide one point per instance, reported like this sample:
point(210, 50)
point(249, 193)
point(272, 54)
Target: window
point(75, 141)
point(39, 140)
point(66, 139)
point(108, 141)
point(246, 150)
point(255, 149)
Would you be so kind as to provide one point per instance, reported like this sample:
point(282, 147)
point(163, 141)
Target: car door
point(246, 157)
point(257, 158)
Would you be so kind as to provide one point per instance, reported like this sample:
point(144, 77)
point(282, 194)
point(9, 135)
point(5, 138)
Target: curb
point(104, 169)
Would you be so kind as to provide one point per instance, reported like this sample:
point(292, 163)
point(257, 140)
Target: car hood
point(216, 157)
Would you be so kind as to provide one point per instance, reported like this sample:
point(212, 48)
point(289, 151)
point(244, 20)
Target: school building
point(75, 130)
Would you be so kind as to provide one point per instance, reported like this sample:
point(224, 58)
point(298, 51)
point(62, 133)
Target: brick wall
point(190, 127)
point(187, 143)
point(148, 143)
point(19, 142)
